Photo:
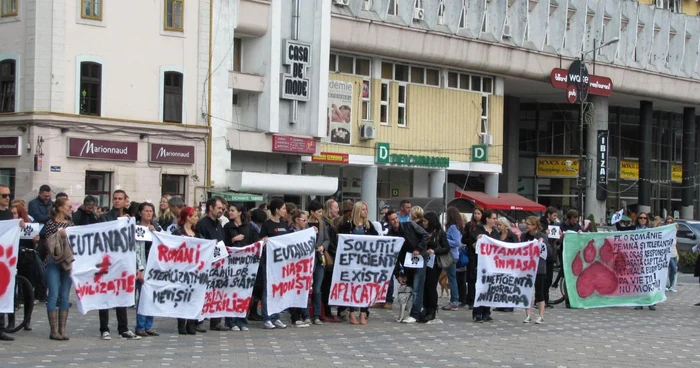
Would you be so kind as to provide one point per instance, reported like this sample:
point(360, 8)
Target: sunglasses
point(642, 218)
point(5, 195)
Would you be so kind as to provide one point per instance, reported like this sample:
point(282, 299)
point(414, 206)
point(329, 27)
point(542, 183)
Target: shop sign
point(10, 146)
point(294, 85)
point(289, 144)
point(238, 197)
point(332, 158)
point(677, 173)
point(629, 170)
point(171, 154)
point(480, 153)
point(602, 157)
point(384, 156)
point(102, 150)
point(555, 166)
point(339, 105)
point(597, 85)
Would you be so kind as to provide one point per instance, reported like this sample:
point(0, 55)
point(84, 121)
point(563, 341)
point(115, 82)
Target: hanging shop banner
point(9, 248)
point(362, 270)
point(290, 267)
point(506, 273)
point(104, 271)
point(31, 229)
point(627, 268)
point(629, 170)
point(340, 105)
point(556, 166)
point(231, 282)
point(177, 276)
point(597, 85)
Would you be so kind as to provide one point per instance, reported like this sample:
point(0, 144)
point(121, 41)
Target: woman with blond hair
point(417, 216)
point(165, 217)
point(359, 225)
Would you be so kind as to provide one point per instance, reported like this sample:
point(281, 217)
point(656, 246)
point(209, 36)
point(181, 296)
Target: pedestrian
point(535, 232)
point(28, 265)
point(6, 214)
point(58, 268)
point(405, 211)
point(273, 226)
point(415, 243)
point(257, 218)
point(85, 215)
point(673, 261)
point(641, 223)
point(188, 218)
point(570, 223)
point(507, 235)
point(455, 228)
point(40, 207)
point(437, 246)
point(486, 228)
point(209, 227)
point(470, 273)
point(550, 218)
point(165, 217)
point(300, 316)
point(176, 205)
point(315, 220)
point(145, 217)
point(238, 234)
point(331, 211)
point(119, 200)
point(417, 216)
point(359, 225)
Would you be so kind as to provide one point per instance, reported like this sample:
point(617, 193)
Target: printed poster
point(31, 229)
point(506, 273)
point(363, 269)
point(290, 267)
point(626, 268)
point(9, 249)
point(104, 271)
point(340, 104)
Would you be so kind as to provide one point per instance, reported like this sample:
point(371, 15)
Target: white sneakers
point(106, 336)
point(527, 319)
point(409, 320)
point(539, 320)
point(300, 324)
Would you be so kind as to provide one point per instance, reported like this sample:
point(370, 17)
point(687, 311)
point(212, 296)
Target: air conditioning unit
point(368, 132)
point(418, 14)
point(341, 2)
point(487, 139)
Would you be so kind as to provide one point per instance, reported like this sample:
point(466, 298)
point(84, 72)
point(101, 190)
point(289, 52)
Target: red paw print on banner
point(596, 275)
point(7, 261)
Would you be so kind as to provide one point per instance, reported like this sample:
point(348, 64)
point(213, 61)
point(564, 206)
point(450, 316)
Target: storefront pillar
point(688, 158)
point(437, 182)
point(596, 191)
point(645, 124)
point(697, 168)
point(491, 184)
point(369, 189)
point(511, 145)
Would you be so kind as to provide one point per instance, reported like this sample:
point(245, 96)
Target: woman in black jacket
point(437, 246)
point(507, 235)
point(487, 228)
point(470, 273)
point(535, 232)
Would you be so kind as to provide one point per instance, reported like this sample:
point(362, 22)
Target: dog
point(444, 284)
point(405, 299)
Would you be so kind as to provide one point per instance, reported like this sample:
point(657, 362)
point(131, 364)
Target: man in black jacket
point(209, 227)
point(85, 215)
point(549, 219)
point(415, 242)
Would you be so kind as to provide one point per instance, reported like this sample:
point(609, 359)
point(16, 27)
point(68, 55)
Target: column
point(596, 194)
point(697, 160)
point(437, 182)
point(369, 190)
point(421, 184)
point(491, 184)
point(644, 184)
point(511, 145)
point(688, 159)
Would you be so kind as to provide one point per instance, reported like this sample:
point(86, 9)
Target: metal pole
point(580, 143)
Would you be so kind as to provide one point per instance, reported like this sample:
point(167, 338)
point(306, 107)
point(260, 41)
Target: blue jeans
point(266, 317)
point(454, 289)
point(59, 284)
point(672, 271)
point(238, 322)
point(143, 323)
point(316, 295)
point(418, 288)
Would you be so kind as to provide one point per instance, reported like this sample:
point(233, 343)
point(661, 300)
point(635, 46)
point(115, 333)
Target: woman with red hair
point(186, 227)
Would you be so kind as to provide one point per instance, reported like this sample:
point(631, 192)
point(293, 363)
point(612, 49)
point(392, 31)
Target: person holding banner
point(5, 214)
point(85, 215)
point(186, 226)
point(534, 232)
point(640, 223)
point(273, 226)
point(331, 211)
point(470, 273)
point(359, 225)
point(58, 267)
point(299, 220)
point(438, 245)
point(145, 217)
point(28, 264)
point(486, 228)
point(322, 241)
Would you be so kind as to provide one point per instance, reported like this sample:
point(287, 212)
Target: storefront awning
point(504, 202)
point(247, 181)
point(238, 197)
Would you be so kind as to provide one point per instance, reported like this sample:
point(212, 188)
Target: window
point(484, 114)
point(237, 49)
point(432, 77)
point(174, 185)
point(402, 105)
point(90, 88)
point(356, 66)
point(441, 12)
point(418, 4)
point(174, 15)
point(367, 5)
point(384, 105)
point(401, 72)
point(172, 97)
point(99, 185)
point(91, 9)
point(9, 8)
point(393, 7)
point(7, 85)
point(470, 82)
point(463, 15)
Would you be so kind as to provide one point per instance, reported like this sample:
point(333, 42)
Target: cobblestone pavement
point(609, 337)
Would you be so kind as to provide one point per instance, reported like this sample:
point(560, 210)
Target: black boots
point(192, 327)
point(182, 326)
point(427, 315)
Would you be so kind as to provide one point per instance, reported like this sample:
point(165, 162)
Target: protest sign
point(142, 233)
point(9, 248)
point(220, 252)
point(231, 282)
point(104, 271)
point(177, 276)
point(506, 273)
point(362, 270)
point(627, 268)
point(617, 217)
point(412, 261)
point(31, 229)
point(554, 232)
point(290, 267)
point(431, 261)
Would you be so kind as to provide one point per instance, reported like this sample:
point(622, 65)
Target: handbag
point(463, 260)
point(445, 260)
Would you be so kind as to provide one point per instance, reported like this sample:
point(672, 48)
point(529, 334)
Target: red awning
point(505, 201)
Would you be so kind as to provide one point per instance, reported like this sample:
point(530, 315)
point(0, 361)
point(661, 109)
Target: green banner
point(238, 197)
point(628, 268)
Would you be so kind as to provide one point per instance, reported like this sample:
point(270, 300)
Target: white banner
point(506, 273)
point(220, 252)
point(9, 249)
point(176, 276)
point(617, 217)
point(231, 282)
point(31, 229)
point(104, 271)
point(290, 267)
point(554, 232)
point(362, 269)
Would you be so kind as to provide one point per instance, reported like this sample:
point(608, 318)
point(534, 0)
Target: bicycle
point(558, 292)
point(24, 303)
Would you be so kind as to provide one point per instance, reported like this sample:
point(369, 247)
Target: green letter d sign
point(479, 153)
point(382, 153)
